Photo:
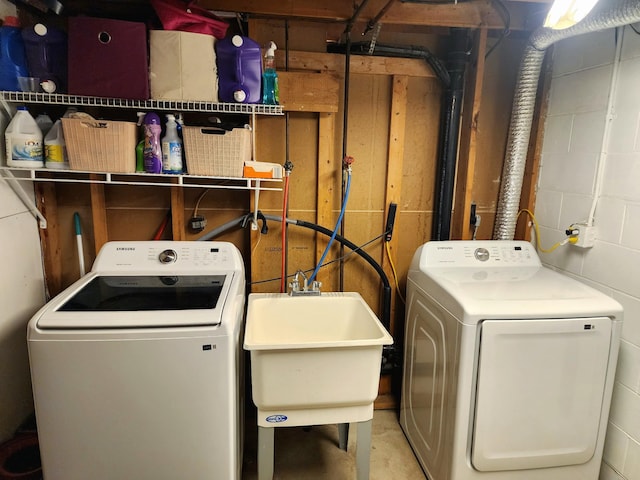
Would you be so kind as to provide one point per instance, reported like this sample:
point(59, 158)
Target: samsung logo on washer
point(125, 248)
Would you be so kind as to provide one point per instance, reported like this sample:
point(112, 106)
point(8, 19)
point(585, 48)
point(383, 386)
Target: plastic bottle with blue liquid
point(270, 90)
point(13, 60)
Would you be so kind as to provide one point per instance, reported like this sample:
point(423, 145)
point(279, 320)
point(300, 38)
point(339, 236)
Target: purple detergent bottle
point(152, 145)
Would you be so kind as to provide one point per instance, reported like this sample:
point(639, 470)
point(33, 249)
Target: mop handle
point(76, 222)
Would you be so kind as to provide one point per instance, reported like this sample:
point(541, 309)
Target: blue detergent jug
point(13, 62)
point(239, 61)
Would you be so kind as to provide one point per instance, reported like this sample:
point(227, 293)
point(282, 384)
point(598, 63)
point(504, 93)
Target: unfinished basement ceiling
point(524, 15)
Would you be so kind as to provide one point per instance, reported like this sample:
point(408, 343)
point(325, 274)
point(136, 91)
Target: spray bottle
point(180, 122)
point(270, 90)
point(152, 147)
point(171, 148)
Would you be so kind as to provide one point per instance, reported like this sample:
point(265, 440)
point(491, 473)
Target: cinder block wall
point(575, 126)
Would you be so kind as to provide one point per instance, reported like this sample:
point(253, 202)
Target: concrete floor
point(313, 454)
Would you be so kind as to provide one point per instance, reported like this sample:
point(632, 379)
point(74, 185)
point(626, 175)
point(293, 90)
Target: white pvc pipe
point(602, 158)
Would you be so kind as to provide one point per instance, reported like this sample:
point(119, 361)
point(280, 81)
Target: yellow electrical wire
point(395, 274)
point(537, 232)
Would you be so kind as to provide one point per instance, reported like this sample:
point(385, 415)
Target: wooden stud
point(328, 165)
point(395, 170)
point(393, 193)
point(461, 227)
point(177, 213)
point(99, 215)
point(46, 202)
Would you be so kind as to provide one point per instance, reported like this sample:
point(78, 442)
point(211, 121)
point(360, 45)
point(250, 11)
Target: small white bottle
point(172, 148)
point(55, 150)
point(23, 140)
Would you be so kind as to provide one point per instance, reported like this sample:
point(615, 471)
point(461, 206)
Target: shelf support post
point(28, 202)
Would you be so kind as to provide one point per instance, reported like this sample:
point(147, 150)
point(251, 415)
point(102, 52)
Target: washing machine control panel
point(489, 253)
point(162, 256)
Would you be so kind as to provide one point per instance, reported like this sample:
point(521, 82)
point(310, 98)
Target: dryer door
point(540, 387)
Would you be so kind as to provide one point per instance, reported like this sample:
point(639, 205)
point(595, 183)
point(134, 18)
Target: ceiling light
point(566, 13)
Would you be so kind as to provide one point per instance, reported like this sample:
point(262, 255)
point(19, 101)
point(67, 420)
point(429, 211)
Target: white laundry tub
point(314, 359)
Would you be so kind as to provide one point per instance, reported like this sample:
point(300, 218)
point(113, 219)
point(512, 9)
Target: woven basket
point(100, 146)
point(216, 152)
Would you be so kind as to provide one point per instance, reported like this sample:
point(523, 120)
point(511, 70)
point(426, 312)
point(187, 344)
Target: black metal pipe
point(362, 48)
point(355, 15)
point(372, 23)
point(449, 134)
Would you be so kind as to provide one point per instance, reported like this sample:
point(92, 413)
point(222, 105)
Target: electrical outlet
point(586, 235)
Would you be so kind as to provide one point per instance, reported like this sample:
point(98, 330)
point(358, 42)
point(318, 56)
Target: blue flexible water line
point(335, 230)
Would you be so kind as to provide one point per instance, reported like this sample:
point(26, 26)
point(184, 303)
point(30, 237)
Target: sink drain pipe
point(603, 17)
point(457, 59)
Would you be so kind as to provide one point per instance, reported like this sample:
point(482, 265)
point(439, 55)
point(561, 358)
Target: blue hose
point(335, 230)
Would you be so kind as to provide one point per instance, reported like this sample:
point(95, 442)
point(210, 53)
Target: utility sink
point(314, 359)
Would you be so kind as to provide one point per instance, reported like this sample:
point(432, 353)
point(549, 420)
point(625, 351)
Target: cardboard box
point(262, 170)
point(182, 66)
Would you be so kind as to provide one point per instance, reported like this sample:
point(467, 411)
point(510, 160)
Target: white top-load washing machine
point(509, 366)
point(136, 367)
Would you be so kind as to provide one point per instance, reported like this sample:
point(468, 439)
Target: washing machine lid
point(139, 301)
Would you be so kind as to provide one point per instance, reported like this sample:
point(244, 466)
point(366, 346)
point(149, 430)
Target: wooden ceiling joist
point(467, 14)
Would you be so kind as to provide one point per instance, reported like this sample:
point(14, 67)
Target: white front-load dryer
point(136, 367)
point(508, 365)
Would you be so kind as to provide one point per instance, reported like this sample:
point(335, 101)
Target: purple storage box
point(108, 58)
point(239, 61)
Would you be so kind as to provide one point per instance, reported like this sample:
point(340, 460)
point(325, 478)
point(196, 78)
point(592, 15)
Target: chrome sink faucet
point(303, 288)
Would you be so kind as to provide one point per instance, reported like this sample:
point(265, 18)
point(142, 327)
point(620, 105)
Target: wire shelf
point(141, 179)
point(182, 105)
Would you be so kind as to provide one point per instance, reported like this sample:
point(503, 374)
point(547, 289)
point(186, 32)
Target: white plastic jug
point(55, 150)
point(23, 140)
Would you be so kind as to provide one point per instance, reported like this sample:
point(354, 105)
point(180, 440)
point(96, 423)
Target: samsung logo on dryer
point(118, 249)
point(444, 248)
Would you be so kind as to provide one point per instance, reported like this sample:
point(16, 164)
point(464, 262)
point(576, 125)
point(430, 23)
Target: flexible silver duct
point(608, 14)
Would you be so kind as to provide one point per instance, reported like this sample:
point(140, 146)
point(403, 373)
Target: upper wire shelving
point(182, 105)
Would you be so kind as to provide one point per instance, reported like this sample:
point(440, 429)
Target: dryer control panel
point(487, 253)
point(163, 256)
